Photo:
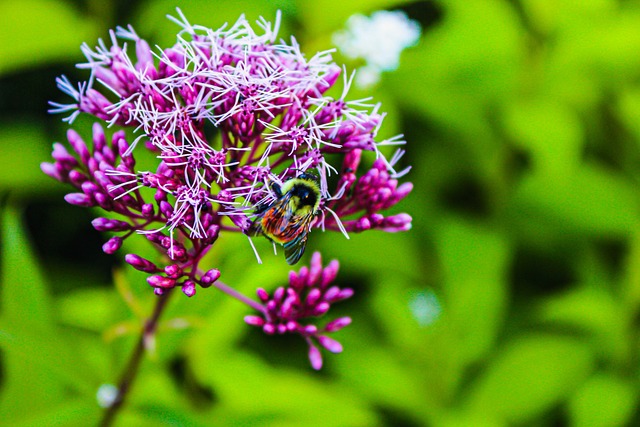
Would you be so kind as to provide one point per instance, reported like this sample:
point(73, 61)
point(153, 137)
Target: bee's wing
point(255, 229)
point(271, 219)
point(294, 249)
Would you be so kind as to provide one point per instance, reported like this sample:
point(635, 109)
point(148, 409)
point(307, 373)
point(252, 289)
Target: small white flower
point(378, 40)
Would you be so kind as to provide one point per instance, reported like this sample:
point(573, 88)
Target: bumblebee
point(287, 221)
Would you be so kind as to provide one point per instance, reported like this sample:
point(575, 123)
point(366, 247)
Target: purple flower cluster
point(308, 295)
point(227, 113)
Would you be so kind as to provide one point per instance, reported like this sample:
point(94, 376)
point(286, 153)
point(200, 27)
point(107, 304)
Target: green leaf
point(593, 310)
point(25, 299)
point(605, 400)
point(463, 66)
point(269, 392)
point(39, 362)
point(530, 376)
point(77, 412)
point(383, 377)
point(550, 132)
point(47, 352)
point(91, 309)
point(592, 200)
point(474, 268)
point(39, 31)
point(22, 149)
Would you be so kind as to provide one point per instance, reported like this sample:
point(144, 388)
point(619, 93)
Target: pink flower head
point(272, 118)
point(230, 115)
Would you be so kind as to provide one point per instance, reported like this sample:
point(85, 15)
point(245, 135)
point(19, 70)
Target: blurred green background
point(513, 301)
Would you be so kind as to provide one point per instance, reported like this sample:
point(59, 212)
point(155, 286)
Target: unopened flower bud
point(112, 245)
point(163, 282)
point(141, 264)
point(209, 277)
point(106, 224)
point(189, 288)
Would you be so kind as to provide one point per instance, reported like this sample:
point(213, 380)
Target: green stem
point(131, 370)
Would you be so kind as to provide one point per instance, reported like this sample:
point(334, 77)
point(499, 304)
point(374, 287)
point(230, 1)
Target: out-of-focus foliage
point(513, 301)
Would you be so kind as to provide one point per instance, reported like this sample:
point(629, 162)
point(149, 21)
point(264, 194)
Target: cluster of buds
point(227, 113)
point(309, 295)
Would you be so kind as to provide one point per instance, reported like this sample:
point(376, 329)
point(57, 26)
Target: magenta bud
point(212, 232)
point(99, 140)
point(269, 329)
point(112, 245)
point(109, 155)
point(89, 188)
point(254, 320)
point(272, 305)
point(330, 344)
point(336, 325)
point(106, 182)
point(61, 155)
point(321, 308)
point(140, 263)
point(177, 252)
point(105, 224)
point(189, 288)
point(147, 210)
point(104, 201)
point(51, 170)
point(279, 294)
point(292, 325)
point(315, 357)
point(376, 219)
point(155, 237)
point(395, 223)
point(295, 281)
point(329, 273)
point(262, 294)
point(165, 242)
point(79, 199)
point(315, 269)
point(352, 160)
point(166, 208)
point(282, 329)
point(345, 293)
point(158, 281)
point(310, 330)
point(129, 162)
point(174, 271)
point(303, 274)
point(313, 297)
point(363, 224)
point(286, 308)
point(77, 177)
point(209, 277)
point(78, 145)
point(403, 190)
point(331, 294)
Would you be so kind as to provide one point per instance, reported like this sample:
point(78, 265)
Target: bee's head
point(307, 195)
point(304, 191)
